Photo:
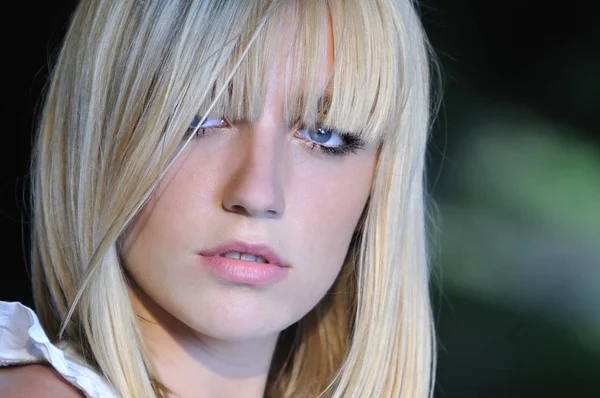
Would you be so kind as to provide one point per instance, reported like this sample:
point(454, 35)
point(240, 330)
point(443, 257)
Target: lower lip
point(246, 272)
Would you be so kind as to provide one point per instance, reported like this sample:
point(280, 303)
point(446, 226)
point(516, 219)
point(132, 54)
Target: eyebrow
point(323, 105)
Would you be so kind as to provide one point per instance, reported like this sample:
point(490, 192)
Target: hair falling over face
point(128, 80)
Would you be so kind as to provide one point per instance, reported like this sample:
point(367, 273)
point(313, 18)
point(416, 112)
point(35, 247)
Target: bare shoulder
point(36, 381)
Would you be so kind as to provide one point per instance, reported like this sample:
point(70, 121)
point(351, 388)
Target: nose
point(254, 188)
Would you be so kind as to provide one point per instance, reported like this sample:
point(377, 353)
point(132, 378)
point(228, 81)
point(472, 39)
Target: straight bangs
point(360, 95)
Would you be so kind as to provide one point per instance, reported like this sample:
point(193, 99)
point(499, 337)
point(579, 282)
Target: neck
point(194, 365)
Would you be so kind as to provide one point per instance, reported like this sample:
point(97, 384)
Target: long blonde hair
point(130, 77)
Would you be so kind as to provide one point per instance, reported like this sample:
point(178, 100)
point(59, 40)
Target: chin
point(238, 317)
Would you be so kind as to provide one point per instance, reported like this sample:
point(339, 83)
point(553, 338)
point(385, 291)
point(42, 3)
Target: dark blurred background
point(514, 176)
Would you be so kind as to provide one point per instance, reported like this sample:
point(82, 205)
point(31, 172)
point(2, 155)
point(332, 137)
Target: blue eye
point(329, 141)
point(321, 136)
point(195, 122)
point(207, 124)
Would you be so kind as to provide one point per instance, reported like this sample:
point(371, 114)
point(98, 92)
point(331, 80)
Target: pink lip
point(242, 271)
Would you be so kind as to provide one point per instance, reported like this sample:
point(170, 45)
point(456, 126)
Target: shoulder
point(36, 381)
point(26, 347)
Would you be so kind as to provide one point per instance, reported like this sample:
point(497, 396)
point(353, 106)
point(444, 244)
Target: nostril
point(268, 212)
point(239, 209)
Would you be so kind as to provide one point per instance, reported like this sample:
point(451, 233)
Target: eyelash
point(208, 124)
point(351, 143)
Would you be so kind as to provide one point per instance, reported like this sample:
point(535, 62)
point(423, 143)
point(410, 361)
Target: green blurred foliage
point(514, 172)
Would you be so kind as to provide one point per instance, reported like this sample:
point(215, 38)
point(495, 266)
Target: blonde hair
point(130, 77)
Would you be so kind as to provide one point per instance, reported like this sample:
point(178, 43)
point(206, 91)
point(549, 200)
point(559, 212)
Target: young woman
point(228, 202)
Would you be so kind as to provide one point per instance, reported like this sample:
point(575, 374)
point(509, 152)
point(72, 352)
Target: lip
point(258, 250)
point(242, 271)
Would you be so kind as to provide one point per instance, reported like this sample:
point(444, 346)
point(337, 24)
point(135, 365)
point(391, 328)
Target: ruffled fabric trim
point(22, 340)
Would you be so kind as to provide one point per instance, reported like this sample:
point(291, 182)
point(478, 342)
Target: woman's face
point(266, 188)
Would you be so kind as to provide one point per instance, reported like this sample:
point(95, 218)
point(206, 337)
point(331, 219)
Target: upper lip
point(258, 250)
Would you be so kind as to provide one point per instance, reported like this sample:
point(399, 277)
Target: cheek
point(329, 209)
point(178, 207)
point(158, 235)
point(325, 216)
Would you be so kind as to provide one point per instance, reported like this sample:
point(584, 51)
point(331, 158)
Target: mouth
point(246, 264)
point(238, 250)
point(244, 256)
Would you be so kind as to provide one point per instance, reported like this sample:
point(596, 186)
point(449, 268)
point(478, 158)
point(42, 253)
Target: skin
point(36, 380)
point(255, 182)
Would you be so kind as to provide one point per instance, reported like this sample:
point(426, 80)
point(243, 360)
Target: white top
point(22, 341)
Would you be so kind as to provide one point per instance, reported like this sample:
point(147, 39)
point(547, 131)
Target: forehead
point(285, 73)
point(318, 55)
